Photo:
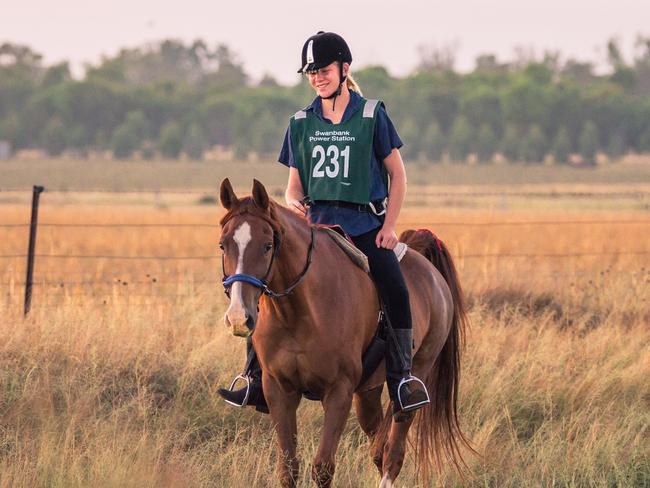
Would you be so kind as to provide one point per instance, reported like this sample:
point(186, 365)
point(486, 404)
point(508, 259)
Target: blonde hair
point(352, 85)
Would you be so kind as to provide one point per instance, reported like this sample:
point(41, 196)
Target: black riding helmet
point(323, 49)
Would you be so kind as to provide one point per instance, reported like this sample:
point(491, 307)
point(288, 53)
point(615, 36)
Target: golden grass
point(114, 385)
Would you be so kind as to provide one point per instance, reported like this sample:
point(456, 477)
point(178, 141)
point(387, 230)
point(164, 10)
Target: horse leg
point(394, 451)
point(336, 403)
point(282, 407)
point(370, 415)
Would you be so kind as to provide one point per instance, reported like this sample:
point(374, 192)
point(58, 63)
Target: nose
point(240, 322)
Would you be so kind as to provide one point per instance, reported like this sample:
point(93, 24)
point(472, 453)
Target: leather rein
point(262, 283)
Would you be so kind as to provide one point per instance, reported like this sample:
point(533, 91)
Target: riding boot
point(251, 394)
point(407, 392)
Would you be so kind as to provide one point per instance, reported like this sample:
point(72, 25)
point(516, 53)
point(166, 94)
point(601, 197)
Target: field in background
point(111, 381)
point(181, 175)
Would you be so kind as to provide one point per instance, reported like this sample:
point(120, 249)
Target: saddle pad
point(357, 257)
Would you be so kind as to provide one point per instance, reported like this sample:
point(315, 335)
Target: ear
point(227, 195)
point(260, 197)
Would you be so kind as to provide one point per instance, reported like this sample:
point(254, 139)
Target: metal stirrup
point(411, 379)
point(245, 378)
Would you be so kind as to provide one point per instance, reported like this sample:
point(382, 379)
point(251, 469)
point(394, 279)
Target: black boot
point(251, 394)
point(407, 392)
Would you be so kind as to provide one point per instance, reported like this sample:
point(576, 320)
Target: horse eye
point(268, 246)
point(221, 246)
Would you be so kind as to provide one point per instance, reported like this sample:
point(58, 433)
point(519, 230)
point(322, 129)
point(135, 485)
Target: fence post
point(32, 246)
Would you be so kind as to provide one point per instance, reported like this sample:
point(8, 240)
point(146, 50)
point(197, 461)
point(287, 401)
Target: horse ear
point(227, 195)
point(260, 197)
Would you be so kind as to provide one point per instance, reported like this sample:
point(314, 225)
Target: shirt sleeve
point(286, 153)
point(386, 138)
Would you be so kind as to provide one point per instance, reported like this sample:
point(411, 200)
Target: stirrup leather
point(245, 378)
point(411, 379)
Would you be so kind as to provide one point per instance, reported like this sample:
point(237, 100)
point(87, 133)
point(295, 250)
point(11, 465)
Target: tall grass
point(114, 385)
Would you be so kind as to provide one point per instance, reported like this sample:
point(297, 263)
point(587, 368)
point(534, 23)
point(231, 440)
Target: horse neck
point(292, 256)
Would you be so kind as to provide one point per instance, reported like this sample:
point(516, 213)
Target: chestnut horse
point(314, 312)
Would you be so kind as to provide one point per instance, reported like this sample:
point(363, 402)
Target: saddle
point(339, 236)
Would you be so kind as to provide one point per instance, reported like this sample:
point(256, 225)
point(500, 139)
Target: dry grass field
point(111, 380)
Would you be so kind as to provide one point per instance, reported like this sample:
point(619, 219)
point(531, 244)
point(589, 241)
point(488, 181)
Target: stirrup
point(411, 379)
point(245, 378)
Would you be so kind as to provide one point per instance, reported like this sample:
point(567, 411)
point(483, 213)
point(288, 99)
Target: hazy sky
point(268, 35)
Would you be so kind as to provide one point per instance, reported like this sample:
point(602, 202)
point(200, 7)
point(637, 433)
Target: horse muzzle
point(240, 325)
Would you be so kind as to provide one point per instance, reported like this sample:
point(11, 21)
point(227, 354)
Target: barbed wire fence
point(64, 285)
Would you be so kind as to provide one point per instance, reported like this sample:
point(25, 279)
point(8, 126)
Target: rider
point(342, 150)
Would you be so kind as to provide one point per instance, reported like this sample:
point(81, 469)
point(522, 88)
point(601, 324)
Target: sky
point(268, 35)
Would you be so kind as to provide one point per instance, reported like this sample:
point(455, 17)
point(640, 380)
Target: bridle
point(262, 283)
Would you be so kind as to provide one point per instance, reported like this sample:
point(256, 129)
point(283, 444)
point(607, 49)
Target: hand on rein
point(297, 207)
point(387, 238)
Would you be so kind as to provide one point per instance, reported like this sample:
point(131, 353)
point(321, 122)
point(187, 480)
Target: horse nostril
point(250, 322)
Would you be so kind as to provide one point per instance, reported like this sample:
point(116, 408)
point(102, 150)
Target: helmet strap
point(337, 93)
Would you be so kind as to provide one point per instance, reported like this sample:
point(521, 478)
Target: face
point(247, 246)
point(325, 81)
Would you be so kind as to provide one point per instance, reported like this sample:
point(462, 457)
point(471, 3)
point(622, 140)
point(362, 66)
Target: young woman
point(342, 152)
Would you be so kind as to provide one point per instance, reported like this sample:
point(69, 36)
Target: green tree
point(510, 144)
point(533, 145)
point(410, 135)
point(56, 74)
point(10, 128)
point(170, 142)
point(54, 136)
point(124, 142)
point(461, 140)
point(644, 141)
point(482, 105)
point(137, 122)
point(374, 80)
point(561, 146)
point(434, 143)
point(194, 142)
point(130, 135)
point(486, 144)
point(588, 142)
point(266, 134)
point(616, 146)
point(217, 114)
point(525, 102)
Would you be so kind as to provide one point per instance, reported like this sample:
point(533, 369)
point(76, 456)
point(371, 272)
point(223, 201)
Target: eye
point(221, 245)
point(268, 246)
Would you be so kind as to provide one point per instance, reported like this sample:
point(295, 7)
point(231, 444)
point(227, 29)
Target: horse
point(311, 332)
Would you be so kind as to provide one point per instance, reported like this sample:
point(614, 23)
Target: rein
point(262, 283)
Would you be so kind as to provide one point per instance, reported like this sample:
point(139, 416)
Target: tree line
point(172, 99)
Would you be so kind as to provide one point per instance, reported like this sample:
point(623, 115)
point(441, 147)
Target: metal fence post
point(32, 246)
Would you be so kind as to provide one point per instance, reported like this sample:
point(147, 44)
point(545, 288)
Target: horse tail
point(438, 435)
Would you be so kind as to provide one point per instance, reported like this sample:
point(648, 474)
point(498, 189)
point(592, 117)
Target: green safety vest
point(334, 160)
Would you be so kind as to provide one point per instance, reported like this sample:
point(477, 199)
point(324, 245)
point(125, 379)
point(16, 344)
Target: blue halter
point(251, 280)
point(262, 284)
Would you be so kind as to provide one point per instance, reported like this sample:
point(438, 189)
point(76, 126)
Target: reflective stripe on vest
point(369, 108)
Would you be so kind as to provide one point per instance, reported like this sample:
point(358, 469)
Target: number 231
point(332, 167)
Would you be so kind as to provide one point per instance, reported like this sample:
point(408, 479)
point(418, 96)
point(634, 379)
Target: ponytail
point(352, 85)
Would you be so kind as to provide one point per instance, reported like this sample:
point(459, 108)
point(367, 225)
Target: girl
point(342, 152)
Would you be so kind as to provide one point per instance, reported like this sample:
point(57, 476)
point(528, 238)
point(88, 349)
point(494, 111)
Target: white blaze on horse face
point(236, 313)
point(386, 482)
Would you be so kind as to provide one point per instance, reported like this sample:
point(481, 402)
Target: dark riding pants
point(386, 273)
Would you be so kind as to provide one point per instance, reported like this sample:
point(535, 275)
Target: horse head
point(250, 239)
